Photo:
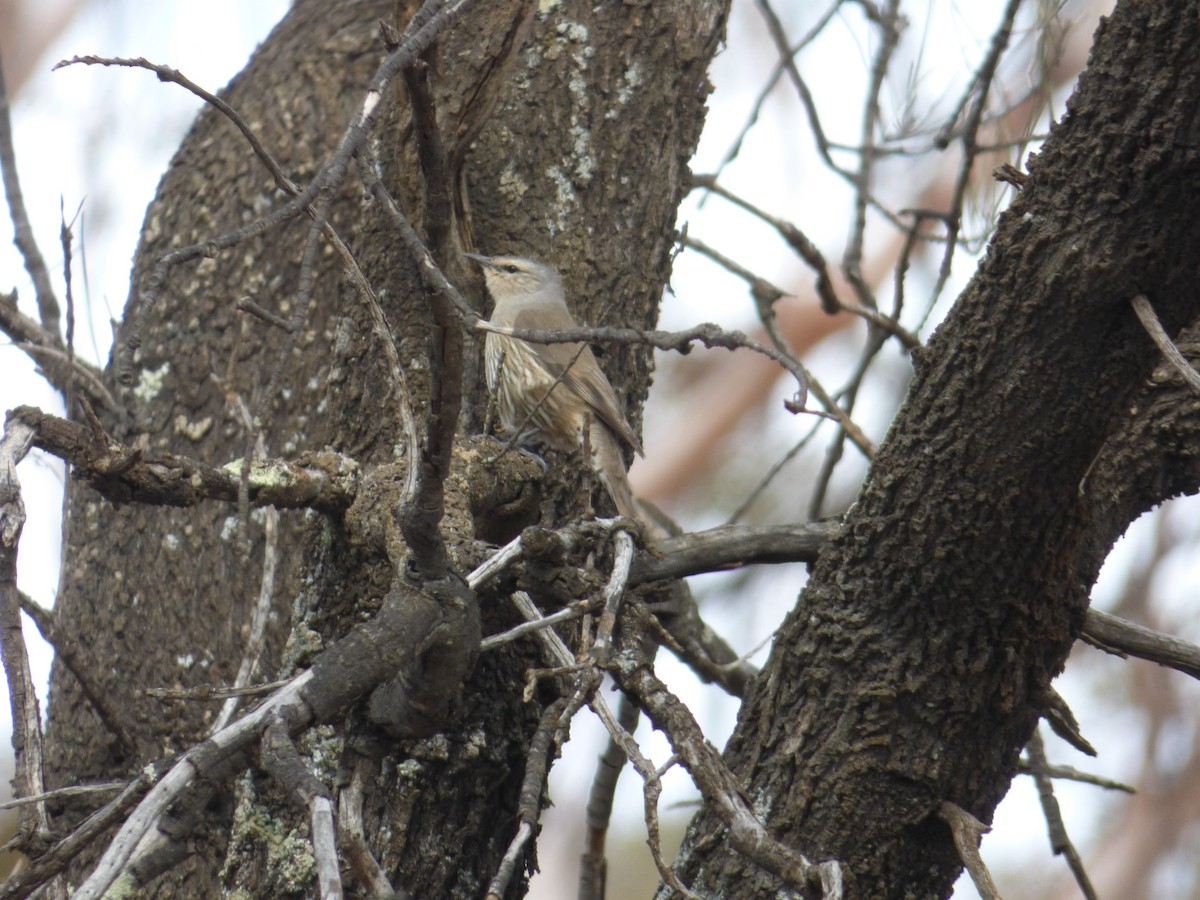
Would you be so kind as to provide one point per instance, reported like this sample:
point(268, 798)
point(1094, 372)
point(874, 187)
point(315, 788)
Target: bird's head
point(511, 278)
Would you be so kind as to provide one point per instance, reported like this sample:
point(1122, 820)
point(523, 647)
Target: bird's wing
point(587, 379)
point(585, 376)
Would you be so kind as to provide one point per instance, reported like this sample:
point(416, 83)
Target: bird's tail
point(609, 464)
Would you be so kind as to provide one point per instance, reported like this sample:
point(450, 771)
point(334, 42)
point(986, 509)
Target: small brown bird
point(534, 397)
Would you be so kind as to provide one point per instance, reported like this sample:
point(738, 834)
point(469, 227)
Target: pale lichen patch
point(193, 430)
point(150, 382)
point(567, 199)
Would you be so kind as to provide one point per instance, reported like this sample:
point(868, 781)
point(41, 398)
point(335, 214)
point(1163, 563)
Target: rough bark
point(916, 664)
point(159, 596)
point(566, 129)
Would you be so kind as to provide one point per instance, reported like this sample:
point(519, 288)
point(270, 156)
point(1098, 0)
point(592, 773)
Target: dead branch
point(968, 831)
point(322, 481)
point(1145, 313)
point(33, 822)
point(1060, 842)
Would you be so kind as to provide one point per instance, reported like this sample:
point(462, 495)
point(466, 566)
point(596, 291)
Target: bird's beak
point(485, 261)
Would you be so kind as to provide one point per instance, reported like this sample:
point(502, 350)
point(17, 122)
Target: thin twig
point(65, 238)
point(260, 614)
point(706, 334)
point(329, 177)
point(547, 740)
point(651, 787)
point(593, 865)
point(379, 327)
point(282, 761)
point(508, 863)
point(75, 657)
point(1067, 773)
point(767, 479)
point(64, 372)
point(495, 564)
point(890, 27)
point(970, 148)
point(824, 145)
point(773, 79)
point(717, 784)
point(787, 60)
point(566, 614)
point(139, 832)
point(208, 693)
point(66, 793)
point(66, 851)
point(1060, 842)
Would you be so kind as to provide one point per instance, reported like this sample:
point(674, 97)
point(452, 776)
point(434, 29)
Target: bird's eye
point(511, 269)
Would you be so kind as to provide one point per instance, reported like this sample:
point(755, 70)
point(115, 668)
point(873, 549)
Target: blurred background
point(92, 143)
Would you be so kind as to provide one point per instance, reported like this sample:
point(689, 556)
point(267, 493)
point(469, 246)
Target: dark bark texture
point(565, 130)
point(917, 662)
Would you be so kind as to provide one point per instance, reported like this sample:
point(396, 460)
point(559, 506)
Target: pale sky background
point(102, 137)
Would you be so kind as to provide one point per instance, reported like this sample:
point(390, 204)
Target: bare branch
point(322, 481)
point(707, 334)
point(1114, 634)
point(26, 717)
point(559, 653)
point(138, 835)
point(593, 866)
point(772, 80)
point(551, 733)
point(208, 693)
point(59, 856)
point(350, 827)
point(734, 546)
point(566, 614)
point(74, 656)
point(1066, 773)
point(350, 266)
point(79, 790)
point(1145, 313)
point(44, 348)
point(970, 133)
point(258, 619)
point(495, 564)
point(318, 192)
point(282, 761)
point(779, 36)
point(436, 627)
point(614, 590)
point(808, 251)
point(514, 853)
point(717, 784)
point(731, 547)
point(35, 265)
point(890, 27)
point(1060, 843)
point(967, 831)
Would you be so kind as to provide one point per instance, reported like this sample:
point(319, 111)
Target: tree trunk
point(546, 113)
point(918, 660)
